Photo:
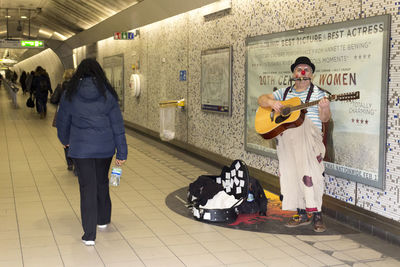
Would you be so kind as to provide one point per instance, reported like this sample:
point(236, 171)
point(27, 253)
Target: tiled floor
point(40, 218)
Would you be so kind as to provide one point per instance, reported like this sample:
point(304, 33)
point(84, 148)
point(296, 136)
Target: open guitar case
point(234, 180)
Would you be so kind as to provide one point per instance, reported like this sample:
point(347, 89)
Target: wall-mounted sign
point(21, 44)
point(182, 75)
point(124, 36)
point(114, 69)
point(32, 43)
point(216, 82)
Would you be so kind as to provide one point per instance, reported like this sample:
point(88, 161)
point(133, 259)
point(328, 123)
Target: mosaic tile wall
point(175, 44)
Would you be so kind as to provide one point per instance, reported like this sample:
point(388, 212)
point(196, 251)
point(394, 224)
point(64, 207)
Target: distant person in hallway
point(14, 77)
point(28, 82)
point(22, 81)
point(41, 87)
point(61, 87)
point(90, 123)
point(301, 150)
point(55, 99)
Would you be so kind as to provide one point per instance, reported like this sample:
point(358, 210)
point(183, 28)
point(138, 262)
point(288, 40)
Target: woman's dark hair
point(89, 67)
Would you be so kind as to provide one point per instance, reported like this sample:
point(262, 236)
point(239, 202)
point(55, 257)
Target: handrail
point(12, 91)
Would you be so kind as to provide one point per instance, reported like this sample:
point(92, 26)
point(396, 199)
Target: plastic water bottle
point(115, 176)
point(250, 197)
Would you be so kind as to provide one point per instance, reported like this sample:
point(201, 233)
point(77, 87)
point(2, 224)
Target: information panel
point(349, 56)
point(216, 65)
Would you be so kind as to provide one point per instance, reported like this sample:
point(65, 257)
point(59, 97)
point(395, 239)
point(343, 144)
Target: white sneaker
point(88, 242)
point(103, 226)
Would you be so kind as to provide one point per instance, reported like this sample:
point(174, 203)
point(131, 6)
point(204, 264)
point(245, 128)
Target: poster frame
point(109, 63)
point(385, 19)
point(221, 109)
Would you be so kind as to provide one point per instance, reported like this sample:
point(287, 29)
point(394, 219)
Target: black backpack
point(43, 87)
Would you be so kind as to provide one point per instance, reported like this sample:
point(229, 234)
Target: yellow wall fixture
point(178, 103)
point(167, 118)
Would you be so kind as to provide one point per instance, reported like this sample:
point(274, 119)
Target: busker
point(301, 150)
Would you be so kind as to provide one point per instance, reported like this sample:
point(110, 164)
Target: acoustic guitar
point(269, 123)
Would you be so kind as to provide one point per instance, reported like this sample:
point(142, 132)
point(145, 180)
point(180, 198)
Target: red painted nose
point(303, 72)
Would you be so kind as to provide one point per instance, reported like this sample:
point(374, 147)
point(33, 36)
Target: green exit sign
point(32, 43)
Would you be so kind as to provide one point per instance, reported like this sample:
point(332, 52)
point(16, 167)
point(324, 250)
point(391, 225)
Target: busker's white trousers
point(300, 152)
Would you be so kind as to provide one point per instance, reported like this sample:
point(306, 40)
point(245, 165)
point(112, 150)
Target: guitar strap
point(310, 91)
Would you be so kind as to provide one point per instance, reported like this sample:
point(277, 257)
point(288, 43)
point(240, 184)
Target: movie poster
point(350, 56)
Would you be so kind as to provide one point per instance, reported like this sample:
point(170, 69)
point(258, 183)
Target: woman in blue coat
point(89, 122)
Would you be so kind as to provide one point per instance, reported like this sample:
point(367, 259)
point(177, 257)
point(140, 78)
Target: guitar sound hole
point(286, 112)
point(280, 119)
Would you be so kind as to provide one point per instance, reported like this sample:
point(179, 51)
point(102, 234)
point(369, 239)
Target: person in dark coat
point(14, 77)
point(90, 122)
point(28, 82)
point(22, 80)
point(56, 100)
point(41, 87)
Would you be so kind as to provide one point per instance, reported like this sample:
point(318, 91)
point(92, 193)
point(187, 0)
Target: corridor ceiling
point(55, 19)
point(52, 19)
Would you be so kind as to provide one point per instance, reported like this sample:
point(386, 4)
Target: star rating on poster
point(364, 56)
point(359, 121)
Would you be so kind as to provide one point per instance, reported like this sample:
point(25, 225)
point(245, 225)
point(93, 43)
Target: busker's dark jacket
point(91, 124)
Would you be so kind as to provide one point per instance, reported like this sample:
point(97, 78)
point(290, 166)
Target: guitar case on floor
point(216, 198)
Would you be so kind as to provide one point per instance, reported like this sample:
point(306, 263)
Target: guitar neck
point(341, 97)
point(306, 105)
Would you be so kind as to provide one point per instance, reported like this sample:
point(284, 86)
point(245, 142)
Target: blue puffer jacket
point(91, 124)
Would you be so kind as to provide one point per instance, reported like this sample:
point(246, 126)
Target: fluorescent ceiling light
point(60, 36)
point(45, 33)
point(8, 61)
point(24, 17)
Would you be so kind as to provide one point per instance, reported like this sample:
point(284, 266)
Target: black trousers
point(95, 194)
point(41, 104)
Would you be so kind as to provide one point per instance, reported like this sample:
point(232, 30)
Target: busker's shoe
point(319, 225)
point(298, 220)
point(89, 242)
